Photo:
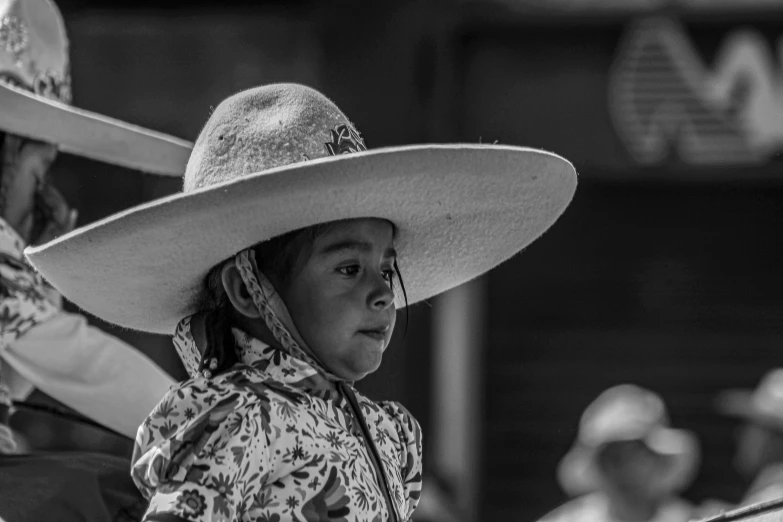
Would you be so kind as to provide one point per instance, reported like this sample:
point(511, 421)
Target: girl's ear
point(237, 292)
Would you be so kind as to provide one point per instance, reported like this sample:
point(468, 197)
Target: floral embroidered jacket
point(273, 440)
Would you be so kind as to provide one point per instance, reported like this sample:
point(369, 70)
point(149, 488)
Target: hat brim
point(578, 473)
point(91, 135)
point(459, 211)
point(740, 405)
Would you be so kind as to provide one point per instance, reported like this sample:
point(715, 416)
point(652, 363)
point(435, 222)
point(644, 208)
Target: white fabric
point(81, 366)
point(17, 386)
point(90, 371)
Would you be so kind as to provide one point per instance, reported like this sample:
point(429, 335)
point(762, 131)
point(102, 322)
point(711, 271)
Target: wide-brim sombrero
point(91, 135)
point(762, 406)
point(626, 413)
point(578, 472)
point(35, 97)
point(282, 157)
point(459, 210)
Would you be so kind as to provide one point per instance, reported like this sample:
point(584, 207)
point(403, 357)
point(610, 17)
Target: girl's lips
point(378, 335)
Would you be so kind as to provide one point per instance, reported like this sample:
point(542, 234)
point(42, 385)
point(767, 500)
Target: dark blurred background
point(664, 272)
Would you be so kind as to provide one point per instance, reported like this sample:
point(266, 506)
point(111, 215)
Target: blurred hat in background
point(35, 97)
point(764, 405)
point(627, 413)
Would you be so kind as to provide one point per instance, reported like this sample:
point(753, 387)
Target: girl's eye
point(389, 275)
point(351, 270)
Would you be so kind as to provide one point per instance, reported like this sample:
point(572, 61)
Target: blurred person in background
point(759, 456)
point(627, 464)
point(41, 346)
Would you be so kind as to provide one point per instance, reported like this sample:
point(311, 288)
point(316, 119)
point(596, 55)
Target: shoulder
point(405, 422)
point(408, 433)
point(198, 404)
point(200, 394)
point(197, 429)
point(192, 410)
point(240, 385)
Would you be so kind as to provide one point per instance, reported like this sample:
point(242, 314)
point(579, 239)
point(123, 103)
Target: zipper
point(375, 457)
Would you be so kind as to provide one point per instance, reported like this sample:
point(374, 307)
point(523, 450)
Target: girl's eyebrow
point(351, 244)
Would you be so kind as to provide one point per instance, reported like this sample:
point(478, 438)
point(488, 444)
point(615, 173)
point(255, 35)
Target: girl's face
point(21, 180)
point(341, 298)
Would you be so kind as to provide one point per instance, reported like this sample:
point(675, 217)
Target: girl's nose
point(381, 296)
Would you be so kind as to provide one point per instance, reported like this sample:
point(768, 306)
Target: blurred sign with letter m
point(663, 96)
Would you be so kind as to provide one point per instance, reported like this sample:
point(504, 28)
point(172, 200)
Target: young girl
point(279, 270)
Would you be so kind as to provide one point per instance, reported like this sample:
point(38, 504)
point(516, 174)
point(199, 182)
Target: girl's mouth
point(378, 335)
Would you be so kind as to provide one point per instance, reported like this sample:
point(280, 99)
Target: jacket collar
point(275, 363)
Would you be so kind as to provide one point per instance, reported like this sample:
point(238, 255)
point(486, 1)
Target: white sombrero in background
point(35, 96)
point(627, 413)
point(763, 406)
point(282, 157)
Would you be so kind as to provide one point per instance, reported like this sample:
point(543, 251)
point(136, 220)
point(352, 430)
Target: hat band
point(47, 84)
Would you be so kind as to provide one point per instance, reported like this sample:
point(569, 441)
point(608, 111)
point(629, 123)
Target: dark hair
point(280, 259)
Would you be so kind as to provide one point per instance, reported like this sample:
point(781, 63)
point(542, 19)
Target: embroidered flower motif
point(345, 140)
point(291, 502)
point(221, 507)
point(192, 503)
point(223, 485)
point(331, 503)
point(334, 440)
point(164, 408)
point(286, 410)
point(264, 500)
point(296, 453)
point(14, 36)
point(238, 453)
point(54, 86)
point(167, 429)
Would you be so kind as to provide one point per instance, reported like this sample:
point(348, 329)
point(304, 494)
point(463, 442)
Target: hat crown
point(34, 48)
point(623, 412)
point(268, 127)
point(769, 394)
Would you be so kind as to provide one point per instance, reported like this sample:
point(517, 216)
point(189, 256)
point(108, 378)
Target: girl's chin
point(362, 364)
